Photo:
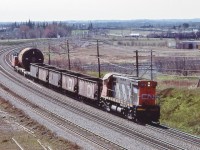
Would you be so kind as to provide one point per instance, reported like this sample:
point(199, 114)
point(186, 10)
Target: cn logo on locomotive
point(147, 96)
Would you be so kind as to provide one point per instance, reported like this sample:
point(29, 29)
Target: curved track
point(120, 127)
point(66, 125)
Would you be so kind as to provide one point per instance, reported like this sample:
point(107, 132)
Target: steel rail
point(133, 133)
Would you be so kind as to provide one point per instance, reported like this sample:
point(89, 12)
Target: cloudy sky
point(60, 10)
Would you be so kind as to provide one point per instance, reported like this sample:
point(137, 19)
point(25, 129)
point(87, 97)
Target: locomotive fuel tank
point(30, 55)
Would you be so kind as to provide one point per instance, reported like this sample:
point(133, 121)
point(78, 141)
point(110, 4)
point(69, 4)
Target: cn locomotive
point(133, 97)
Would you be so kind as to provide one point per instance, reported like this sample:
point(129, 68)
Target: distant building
point(188, 45)
point(171, 44)
point(58, 36)
point(136, 35)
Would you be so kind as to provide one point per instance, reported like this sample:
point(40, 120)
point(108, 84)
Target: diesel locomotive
point(133, 97)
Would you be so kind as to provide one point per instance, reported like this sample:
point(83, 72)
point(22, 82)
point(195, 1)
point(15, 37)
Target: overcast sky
point(61, 10)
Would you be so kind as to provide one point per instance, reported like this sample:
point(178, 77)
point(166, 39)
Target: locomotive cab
point(147, 109)
point(147, 92)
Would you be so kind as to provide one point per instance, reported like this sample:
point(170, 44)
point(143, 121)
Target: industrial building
point(188, 45)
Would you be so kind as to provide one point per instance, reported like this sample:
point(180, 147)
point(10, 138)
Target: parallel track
point(188, 138)
point(66, 125)
point(131, 132)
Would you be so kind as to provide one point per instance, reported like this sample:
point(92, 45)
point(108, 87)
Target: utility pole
point(137, 65)
point(69, 65)
point(98, 59)
point(49, 54)
point(151, 65)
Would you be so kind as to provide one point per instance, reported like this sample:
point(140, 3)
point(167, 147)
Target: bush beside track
point(180, 109)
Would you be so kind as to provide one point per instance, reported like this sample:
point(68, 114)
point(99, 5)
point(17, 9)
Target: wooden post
point(151, 65)
point(69, 65)
point(49, 54)
point(98, 59)
point(137, 65)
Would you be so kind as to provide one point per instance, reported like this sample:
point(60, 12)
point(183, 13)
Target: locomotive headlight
point(141, 109)
point(149, 84)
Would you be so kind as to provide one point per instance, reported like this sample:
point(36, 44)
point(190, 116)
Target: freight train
point(133, 97)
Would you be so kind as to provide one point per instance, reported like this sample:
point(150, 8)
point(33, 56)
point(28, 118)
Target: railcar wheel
point(129, 115)
point(156, 123)
point(135, 119)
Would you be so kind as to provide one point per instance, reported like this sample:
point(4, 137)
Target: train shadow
point(158, 125)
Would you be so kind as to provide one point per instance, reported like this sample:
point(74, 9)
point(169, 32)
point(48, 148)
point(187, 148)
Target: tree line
point(28, 30)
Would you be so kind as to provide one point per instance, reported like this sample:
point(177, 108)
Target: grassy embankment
point(180, 108)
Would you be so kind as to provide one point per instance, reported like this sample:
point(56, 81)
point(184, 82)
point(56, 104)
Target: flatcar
point(133, 97)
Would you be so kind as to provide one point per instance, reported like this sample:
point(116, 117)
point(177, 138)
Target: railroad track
point(98, 140)
point(130, 132)
point(66, 125)
point(188, 138)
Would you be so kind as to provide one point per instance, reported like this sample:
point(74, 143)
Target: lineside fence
point(184, 79)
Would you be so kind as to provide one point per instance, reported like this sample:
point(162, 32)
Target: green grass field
point(180, 109)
